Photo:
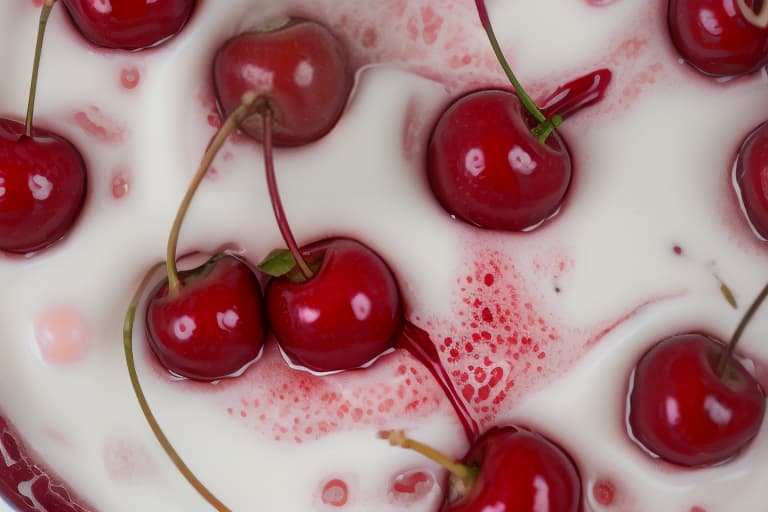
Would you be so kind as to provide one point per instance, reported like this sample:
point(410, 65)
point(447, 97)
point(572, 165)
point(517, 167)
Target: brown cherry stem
point(267, 117)
point(229, 126)
point(130, 316)
point(760, 19)
point(466, 474)
point(45, 13)
point(727, 353)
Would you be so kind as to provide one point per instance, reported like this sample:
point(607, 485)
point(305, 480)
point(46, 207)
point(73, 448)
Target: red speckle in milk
point(125, 461)
point(698, 509)
point(130, 77)
point(411, 487)
point(294, 405)
point(119, 185)
point(98, 125)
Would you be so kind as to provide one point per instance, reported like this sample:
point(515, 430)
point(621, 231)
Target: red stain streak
point(98, 125)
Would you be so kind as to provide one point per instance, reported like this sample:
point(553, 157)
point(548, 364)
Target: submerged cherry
point(129, 24)
point(299, 69)
point(751, 178)
point(692, 402)
point(42, 176)
point(716, 37)
point(507, 469)
point(348, 313)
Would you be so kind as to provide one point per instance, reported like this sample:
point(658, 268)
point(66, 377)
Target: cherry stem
point(130, 316)
point(727, 354)
point(229, 126)
point(267, 117)
point(466, 474)
point(760, 19)
point(526, 100)
point(45, 13)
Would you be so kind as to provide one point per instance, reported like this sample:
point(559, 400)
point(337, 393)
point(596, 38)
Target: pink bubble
point(411, 487)
point(130, 77)
point(604, 492)
point(62, 336)
point(335, 493)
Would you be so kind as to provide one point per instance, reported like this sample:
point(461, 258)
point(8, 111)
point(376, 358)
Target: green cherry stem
point(130, 362)
point(727, 353)
point(45, 13)
point(545, 126)
point(229, 126)
point(267, 117)
point(466, 474)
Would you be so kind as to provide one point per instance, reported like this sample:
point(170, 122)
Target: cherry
point(42, 187)
point(214, 327)
point(751, 176)
point(495, 164)
point(42, 176)
point(344, 316)
point(507, 469)
point(129, 24)
point(299, 69)
point(717, 38)
point(486, 167)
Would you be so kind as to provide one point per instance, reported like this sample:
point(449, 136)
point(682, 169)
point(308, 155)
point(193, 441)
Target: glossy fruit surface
point(300, 69)
point(344, 316)
point(214, 326)
point(714, 37)
point(486, 167)
point(42, 187)
point(751, 176)
point(129, 24)
point(682, 411)
point(519, 471)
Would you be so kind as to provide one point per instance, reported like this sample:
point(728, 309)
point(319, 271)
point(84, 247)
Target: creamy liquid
point(592, 289)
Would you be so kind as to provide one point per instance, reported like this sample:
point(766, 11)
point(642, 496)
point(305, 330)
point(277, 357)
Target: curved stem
point(526, 100)
point(229, 126)
point(45, 12)
point(727, 354)
point(267, 117)
point(130, 316)
point(760, 20)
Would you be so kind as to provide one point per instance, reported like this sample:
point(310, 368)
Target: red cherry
point(681, 410)
point(347, 314)
point(129, 24)
point(507, 469)
point(715, 37)
point(300, 70)
point(214, 326)
point(486, 167)
point(42, 187)
point(751, 173)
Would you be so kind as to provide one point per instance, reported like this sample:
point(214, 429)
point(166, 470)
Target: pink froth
point(62, 336)
point(95, 123)
point(125, 461)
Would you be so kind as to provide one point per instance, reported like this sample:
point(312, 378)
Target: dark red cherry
point(715, 37)
point(347, 314)
point(681, 410)
point(751, 173)
point(129, 24)
point(486, 167)
point(214, 326)
point(42, 187)
point(508, 469)
point(301, 71)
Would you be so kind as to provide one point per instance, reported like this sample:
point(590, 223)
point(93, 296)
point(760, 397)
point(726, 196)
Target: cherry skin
point(301, 71)
point(346, 315)
point(129, 24)
point(751, 173)
point(486, 167)
point(715, 37)
point(517, 470)
point(214, 327)
point(681, 410)
point(42, 187)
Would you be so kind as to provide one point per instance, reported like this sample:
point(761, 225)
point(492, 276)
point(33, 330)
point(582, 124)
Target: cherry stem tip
point(45, 13)
point(729, 349)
